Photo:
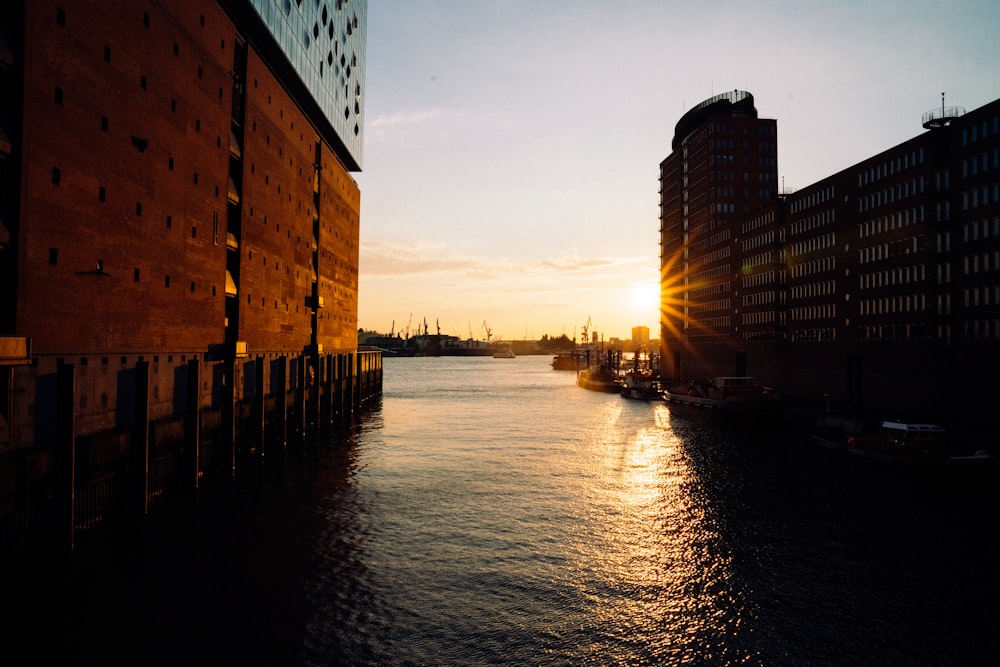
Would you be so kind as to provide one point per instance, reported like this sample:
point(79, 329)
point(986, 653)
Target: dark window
point(166, 281)
point(145, 19)
point(101, 194)
point(104, 123)
point(107, 53)
point(177, 48)
point(142, 81)
point(199, 71)
point(138, 208)
point(170, 164)
point(135, 275)
point(197, 125)
point(194, 231)
point(196, 178)
point(170, 222)
point(59, 95)
point(53, 256)
point(192, 286)
point(173, 105)
point(56, 175)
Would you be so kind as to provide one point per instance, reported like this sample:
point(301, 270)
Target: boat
point(599, 378)
point(731, 397)
point(504, 352)
point(898, 442)
point(641, 385)
point(573, 360)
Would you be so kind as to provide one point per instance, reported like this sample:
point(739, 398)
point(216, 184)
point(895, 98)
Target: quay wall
point(96, 440)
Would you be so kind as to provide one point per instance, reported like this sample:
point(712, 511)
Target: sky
point(509, 186)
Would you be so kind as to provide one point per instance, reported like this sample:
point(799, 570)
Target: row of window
point(892, 222)
point(803, 202)
point(902, 275)
point(973, 231)
point(812, 267)
point(980, 196)
point(811, 222)
point(765, 278)
point(893, 193)
point(881, 251)
point(826, 311)
point(974, 165)
point(890, 167)
point(981, 262)
point(821, 242)
point(904, 303)
point(765, 239)
point(977, 132)
point(987, 295)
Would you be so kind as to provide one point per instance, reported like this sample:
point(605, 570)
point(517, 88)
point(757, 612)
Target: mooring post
point(258, 403)
point(138, 503)
point(282, 395)
point(192, 426)
point(300, 394)
point(65, 454)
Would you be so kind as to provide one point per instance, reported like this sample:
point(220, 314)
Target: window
point(104, 123)
point(59, 95)
point(56, 175)
point(101, 194)
point(53, 256)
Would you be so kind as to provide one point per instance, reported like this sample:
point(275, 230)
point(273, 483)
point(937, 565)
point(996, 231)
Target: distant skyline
point(511, 148)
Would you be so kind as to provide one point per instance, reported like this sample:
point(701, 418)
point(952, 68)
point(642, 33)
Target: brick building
point(180, 228)
point(876, 289)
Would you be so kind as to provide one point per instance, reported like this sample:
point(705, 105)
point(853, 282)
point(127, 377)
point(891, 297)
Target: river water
point(490, 512)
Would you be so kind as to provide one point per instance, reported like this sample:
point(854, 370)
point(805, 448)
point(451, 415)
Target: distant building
point(177, 217)
point(877, 288)
point(640, 337)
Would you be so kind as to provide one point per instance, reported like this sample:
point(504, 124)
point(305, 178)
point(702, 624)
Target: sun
point(645, 298)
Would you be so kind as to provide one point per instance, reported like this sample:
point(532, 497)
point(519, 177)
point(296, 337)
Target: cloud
point(401, 123)
point(381, 258)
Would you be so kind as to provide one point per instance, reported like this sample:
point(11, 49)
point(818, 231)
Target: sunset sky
point(512, 147)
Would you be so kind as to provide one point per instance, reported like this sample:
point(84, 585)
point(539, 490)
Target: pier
point(99, 441)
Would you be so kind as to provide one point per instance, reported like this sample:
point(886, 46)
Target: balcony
point(941, 117)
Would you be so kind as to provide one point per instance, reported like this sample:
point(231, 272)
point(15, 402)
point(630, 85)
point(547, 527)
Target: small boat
point(573, 360)
point(641, 385)
point(900, 442)
point(739, 398)
point(504, 352)
point(599, 378)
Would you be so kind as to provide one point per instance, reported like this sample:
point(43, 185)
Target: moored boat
point(641, 385)
point(504, 352)
point(599, 378)
point(901, 442)
point(731, 397)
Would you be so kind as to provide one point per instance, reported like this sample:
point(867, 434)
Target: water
point(490, 512)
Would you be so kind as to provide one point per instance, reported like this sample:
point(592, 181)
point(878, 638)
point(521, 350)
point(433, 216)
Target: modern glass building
point(323, 43)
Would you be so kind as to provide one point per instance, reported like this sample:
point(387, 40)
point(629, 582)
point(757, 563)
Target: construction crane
point(489, 333)
point(585, 328)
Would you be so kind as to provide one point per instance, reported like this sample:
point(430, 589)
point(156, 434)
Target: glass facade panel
point(308, 32)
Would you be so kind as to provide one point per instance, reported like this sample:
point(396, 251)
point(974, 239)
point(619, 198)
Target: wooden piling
point(65, 457)
point(138, 500)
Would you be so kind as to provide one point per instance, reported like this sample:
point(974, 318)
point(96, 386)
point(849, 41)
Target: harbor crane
point(489, 332)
